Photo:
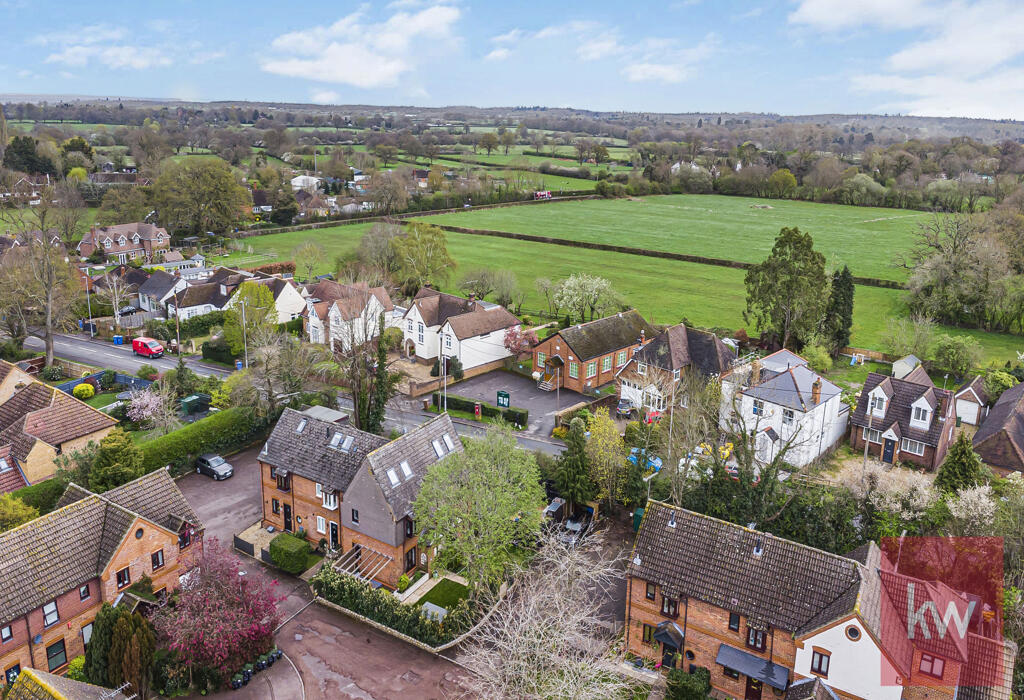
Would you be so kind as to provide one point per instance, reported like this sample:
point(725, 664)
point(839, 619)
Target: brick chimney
point(816, 391)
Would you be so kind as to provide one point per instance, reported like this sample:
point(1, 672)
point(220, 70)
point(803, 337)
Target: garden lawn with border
point(446, 593)
point(101, 400)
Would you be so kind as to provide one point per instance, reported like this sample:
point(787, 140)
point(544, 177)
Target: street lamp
point(647, 479)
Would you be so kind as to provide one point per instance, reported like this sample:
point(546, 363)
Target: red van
point(147, 347)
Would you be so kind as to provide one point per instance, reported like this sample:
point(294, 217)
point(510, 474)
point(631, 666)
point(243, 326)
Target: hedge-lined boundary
point(220, 432)
point(644, 252)
point(518, 416)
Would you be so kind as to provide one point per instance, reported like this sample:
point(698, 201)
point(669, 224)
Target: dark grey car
point(214, 466)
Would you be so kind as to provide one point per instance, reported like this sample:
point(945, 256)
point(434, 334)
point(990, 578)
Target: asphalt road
point(101, 353)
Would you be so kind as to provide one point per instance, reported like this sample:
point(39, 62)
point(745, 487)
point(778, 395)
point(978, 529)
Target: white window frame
point(419, 334)
point(591, 369)
point(86, 633)
point(448, 341)
point(788, 416)
point(330, 500)
point(620, 359)
point(393, 477)
point(878, 405)
point(48, 609)
point(448, 442)
point(676, 373)
point(319, 491)
point(574, 370)
point(438, 450)
point(908, 445)
point(409, 325)
point(758, 407)
point(641, 368)
point(6, 634)
point(406, 469)
point(321, 525)
point(925, 415)
point(871, 432)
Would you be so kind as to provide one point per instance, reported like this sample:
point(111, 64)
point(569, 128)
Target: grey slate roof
point(781, 360)
point(902, 394)
point(678, 347)
point(416, 448)
point(786, 586)
point(61, 550)
point(158, 284)
point(608, 334)
point(1000, 439)
point(793, 388)
point(309, 453)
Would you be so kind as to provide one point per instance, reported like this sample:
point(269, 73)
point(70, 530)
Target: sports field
point(715, 226)
point(664, 291)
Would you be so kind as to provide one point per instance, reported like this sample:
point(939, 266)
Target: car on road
point(625, 408)
point(147, 347)
point(214, 466)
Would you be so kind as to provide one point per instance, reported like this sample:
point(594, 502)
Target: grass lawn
point(853, 377)
point(665, 291)
point(445, 593)
point(101, 400)
point(732, 228)
point(141, 436)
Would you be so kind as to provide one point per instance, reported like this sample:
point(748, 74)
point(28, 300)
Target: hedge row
point(220, 432)
point(646, 252)
point(194, 327)
point(217, 353)
point(289, 553)
point(42, 496)
point(518, 416)
point(381, 606)
point(274, 268)
point(293, 326)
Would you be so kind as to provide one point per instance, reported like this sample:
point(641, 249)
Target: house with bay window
point(588, 355)
point(351, 489)
point(904, 420)
point(123, 243)
point(60, 568)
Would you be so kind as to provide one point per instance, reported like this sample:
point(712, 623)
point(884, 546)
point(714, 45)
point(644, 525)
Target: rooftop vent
point(672, 519)
point(758, 547)
point(636, 560)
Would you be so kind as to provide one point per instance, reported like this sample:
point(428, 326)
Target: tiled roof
point(608, 334)
point(173, 256)
point(772, 581)
point(810, 689)
point(158, 284)
point(436, 307)
point(33, 684)
point(1000, 439)
point(156, 497)
point(977, 385)
point(416, 448)
point(31, 397)
point(485, 318)
point(66, 418)
point(61, 550)
point(205, 293)
point(11, 476)
point(902, 394)
point(309, 453)
point(989, 659)
point(919, 375)
point(794, 388)
point(781, 360)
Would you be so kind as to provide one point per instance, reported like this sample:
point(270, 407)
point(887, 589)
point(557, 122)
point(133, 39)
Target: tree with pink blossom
point(154, 407)
point(518, 340)
point(225, 616)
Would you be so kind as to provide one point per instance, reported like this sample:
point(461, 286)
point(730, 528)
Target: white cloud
point(112, 56)
point(115, 47)
point(665, 61)
point(89, 34)
point(198, 58)
point(325, 97)
point(368, 55)
point(67, 75)
point(499, 54)
point(508, 37)
point(601, 46)
point(844, 14)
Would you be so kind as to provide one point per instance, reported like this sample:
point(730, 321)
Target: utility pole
point(177, 322)
point(864, 466)
point(245, 342)
point(88, 300)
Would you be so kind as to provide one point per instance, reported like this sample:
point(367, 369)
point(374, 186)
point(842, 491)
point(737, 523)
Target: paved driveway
point(523, 393)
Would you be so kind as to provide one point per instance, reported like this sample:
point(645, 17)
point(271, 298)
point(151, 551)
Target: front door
point(287, 518)
point(888, 450)
point(334, 536)
point(668, 655)
point(753, 689)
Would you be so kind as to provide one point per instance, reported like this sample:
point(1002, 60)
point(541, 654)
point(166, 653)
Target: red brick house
point(124, 242)
point(60, 568)
point(1000, 439)
point(587, 355)
point(904, 420)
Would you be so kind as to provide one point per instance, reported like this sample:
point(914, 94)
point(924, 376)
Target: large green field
point(715, 226)
point(665, 291)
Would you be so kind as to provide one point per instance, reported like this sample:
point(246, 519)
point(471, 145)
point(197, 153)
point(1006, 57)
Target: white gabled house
point(438, 324)
point(787, 405)
point(344, 315)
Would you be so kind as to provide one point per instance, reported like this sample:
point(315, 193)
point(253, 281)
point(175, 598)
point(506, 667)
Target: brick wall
point(555, 345)
point(135, 554)
point(928, 460)
point(395, 568)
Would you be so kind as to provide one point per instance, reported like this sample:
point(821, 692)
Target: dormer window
point(122, 240)
point(135, 238)
point(106, 242)
point(878, 405)
point(921, 415)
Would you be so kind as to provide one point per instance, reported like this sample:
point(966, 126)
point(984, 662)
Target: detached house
point(770, 618)
point(124, 242)
point(907, 419)
point(345, 314)
point(60, 568)
point(793, 411)
point(588, 355)
point(1000, 439)
point(352, 489)
point(438, 324)
point(650, 378)
point(38, 423)
point(159, 290)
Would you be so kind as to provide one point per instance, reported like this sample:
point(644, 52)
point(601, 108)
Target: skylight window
point(393, 477)
point(437, 448)
point(4, 466)
point(346, 446)
point(448, 442)
point(336, 439)
point(301, 426)
point(406, 470)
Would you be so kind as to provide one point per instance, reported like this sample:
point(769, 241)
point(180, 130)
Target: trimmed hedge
point(293, 326)
point(383, 607)
point(193, 327)
point(217, 354)
point(274, 268)
point(289, 553)
point(42, 496)
point(220, 432)
point(517, 416)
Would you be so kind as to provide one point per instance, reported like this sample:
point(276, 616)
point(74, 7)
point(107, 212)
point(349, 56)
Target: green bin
point(638, 516)
point(191, 404)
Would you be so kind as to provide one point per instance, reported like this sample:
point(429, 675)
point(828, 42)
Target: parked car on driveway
point(214, 466)
point(625, 408)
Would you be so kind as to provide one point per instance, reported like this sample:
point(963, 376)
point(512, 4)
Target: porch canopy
point(362, 563)
point(753, 666)
point(669, 633)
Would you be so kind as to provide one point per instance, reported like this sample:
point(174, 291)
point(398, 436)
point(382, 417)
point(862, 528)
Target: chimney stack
point(816, 391)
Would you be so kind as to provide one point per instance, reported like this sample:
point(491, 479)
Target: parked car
point(126, 310)
point(214, 466)
point(576, 528)
point(625, 408)
point(147, 347)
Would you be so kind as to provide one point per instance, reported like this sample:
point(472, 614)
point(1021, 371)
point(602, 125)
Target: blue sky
point(926, 57)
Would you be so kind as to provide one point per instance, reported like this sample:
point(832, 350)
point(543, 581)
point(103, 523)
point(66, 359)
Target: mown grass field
point(664, 291)
point(716, 226)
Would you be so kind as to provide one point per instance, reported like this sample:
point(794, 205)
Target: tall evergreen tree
point(839, 313)
point(98, 649)
point(572, 478)
point(383, 384)
point(118, 461)
point(962, 467)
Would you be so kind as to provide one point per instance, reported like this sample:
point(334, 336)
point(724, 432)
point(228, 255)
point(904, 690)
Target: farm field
point(88, 219)
point(665, 291)
point(716, 226)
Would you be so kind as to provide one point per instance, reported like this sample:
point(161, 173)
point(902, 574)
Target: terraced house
point(60, 568)
point(352, 489)
point(765, 614)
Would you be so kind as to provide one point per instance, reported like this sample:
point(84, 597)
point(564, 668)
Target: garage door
point(967, 411)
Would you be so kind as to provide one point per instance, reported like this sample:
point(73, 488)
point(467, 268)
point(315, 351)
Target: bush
point(403, 583)
point(53, 373)
point(12, 352)
point(561, 432)
point(108, 379)
point(518, 416)
point(996, 382)
point(221, 432)
point(275, 268)
point(218, 352)
point(688, 686)
point(293, 326)
point(958, 354)
point(817, 357)
point(289, 553)
point(379, 605)
point(76, 669)
point(147, 371)
point(83, 391)
point(42, 496)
